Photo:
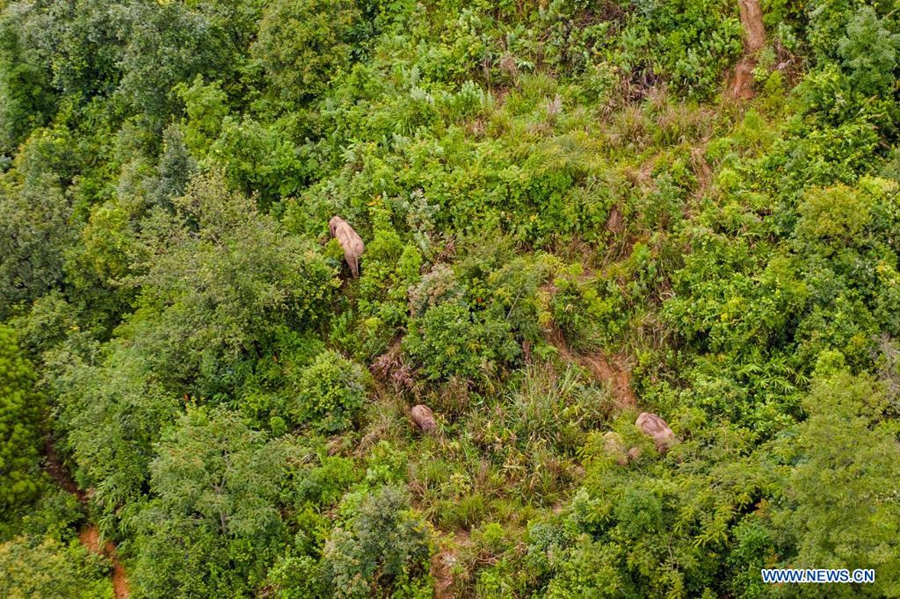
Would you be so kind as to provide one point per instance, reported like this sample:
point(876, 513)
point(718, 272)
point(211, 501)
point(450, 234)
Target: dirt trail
point(90, 538)
point(57, 472)
point(443, 561)
point(90, 534)
point(604, 368)
point(752, 21)
point(754, 41)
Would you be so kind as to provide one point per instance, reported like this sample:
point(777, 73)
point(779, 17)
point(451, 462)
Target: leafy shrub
point(869, 53)
point(688, 43)
point(329, 393)
point(226, 279)
point(20, 415)
point(581, 312)
point(111, 412)
point(438, 286)
point(25, 98)
point(34, 235)
point(383, 547)
point(450, 340)
point(509, 291)
point(45, 567)
point(841, 457)
point(259, 160)
point(216, 485)
point(302, 42)
point(834, 218)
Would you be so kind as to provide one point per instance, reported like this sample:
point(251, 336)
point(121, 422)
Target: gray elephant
point(350, 240)
point(657, 429)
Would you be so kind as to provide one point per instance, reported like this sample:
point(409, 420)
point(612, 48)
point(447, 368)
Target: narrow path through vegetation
point(610, 370)
point(90, 534)
point(754, 41)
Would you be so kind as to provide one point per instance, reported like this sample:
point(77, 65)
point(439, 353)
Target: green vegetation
point(47, 568)
point(20, 413)
point(573, 212)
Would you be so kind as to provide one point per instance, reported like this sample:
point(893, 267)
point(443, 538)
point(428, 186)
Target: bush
point(35, 231)
point(20, 414)
point(329, 393)
point(383, 547)
point(585, 311)
point(869, 53)
point(25, 98)
point(44, 567)
point(302, 43)
point(687, 42)
point(214, 523)
point(450, 340)
point(223, 282)
point(841, 457)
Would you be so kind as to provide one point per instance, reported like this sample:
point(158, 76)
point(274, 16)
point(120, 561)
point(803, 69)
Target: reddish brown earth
point(443, 578)
point(90, 534)
point(754, 30)
point(90, 539)
point(443, 561)
point(610, 370)
point(754, 40)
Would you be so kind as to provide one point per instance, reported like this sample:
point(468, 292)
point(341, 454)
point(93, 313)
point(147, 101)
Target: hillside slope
point(573, 212)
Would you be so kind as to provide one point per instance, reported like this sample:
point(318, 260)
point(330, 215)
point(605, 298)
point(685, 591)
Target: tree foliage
point(214, 523)
point(20, 427)
point(569, 219)
point(302, 43)
point(48, 568)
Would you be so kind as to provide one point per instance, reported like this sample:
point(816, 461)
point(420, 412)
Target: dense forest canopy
point(573, 211)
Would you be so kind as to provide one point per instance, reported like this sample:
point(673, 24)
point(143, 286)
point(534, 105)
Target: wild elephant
point(614, 446)
point(424, 418)
point(350, 240)
point(656, 428)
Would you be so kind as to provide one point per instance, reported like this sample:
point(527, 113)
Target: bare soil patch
point(90, 534)
point(608, 369)
point(741, 85)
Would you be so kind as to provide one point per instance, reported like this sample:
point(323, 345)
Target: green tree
point(383, 547)
point(20, 417)
point(840, 502)
point(169, 43)
point(214, 524)
point(869, 53)
point(35, 231)
point(78, 41)
point(26, 100)
point(99, 264)
point(36, 567)
point(175, 170)
point(329, 393)
point(221, 281)
point(303, 43)
point(206, 106)
point(111, 409)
